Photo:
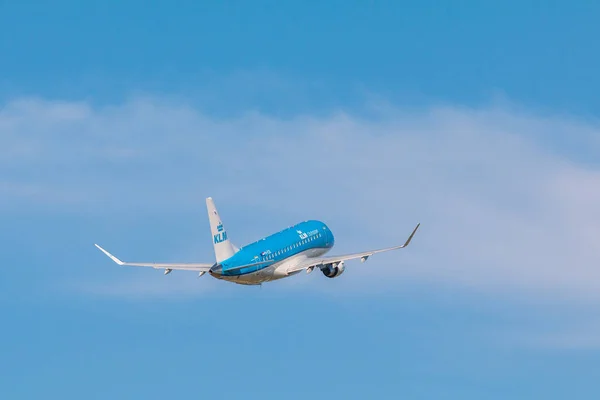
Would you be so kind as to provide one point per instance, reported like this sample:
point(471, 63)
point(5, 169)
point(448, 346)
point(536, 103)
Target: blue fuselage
point(308, 238)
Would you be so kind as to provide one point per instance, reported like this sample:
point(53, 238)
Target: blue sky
point(478, 120)
point(335, 50)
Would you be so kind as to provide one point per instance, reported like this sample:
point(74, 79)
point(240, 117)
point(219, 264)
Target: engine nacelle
point(333, 270)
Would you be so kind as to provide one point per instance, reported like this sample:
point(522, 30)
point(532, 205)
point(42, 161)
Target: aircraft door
point(261, 270)
point(328, 237)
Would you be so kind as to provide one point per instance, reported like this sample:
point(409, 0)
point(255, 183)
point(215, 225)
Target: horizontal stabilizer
point(238, 267)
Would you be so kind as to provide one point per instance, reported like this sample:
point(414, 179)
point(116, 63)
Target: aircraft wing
point(179, 266)
point(320, 261)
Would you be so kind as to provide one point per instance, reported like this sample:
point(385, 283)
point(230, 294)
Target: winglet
point(411, 235)
point(115, 259)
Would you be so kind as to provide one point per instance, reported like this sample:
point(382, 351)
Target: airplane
point(280, 255)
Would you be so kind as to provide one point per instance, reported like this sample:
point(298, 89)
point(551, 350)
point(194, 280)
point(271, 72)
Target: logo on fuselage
point(304, 235)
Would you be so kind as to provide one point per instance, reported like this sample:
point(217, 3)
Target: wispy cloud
point(503, 207)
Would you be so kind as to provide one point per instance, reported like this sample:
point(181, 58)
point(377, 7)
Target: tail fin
point(223, 247)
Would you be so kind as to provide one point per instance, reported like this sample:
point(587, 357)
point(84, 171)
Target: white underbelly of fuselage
point(274, 271)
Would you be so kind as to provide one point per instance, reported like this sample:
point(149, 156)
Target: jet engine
point(333, 270)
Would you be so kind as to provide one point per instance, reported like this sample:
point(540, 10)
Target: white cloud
point(503, 207)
